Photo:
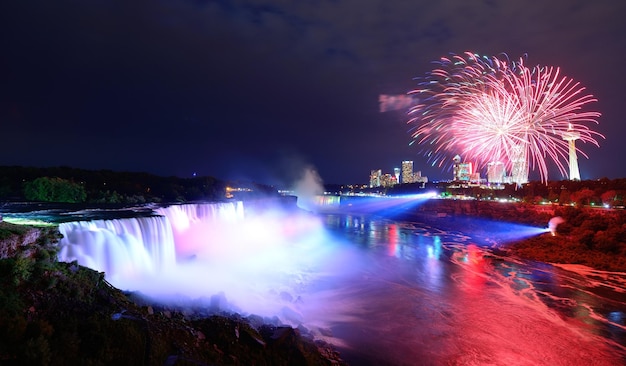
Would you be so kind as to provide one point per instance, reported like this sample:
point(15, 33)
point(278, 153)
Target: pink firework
point(507, 113)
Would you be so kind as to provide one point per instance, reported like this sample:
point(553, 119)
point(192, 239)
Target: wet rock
point(291, 315)
point(327, 332)
point(255, 321)
point(284, 334)
point(304, 330)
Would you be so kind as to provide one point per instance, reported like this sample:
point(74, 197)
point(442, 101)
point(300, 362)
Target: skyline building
point(387, 180)
point(402, 175)
point(375, 176)
point(462, 171)
point(417, 177)
point(407, 171)
point(496, 172)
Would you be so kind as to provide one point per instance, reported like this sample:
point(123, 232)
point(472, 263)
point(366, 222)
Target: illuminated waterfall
point(119, 247)
point(137, 246)
point(195, 251)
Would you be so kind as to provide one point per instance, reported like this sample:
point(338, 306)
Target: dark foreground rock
point(63, 314)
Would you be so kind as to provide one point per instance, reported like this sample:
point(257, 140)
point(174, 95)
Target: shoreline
point(575, 243)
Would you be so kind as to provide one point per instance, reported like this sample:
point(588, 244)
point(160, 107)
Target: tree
point(55, 189)
point(583, 197)
point(609, 197)
point(553, 196)
point(565, 197)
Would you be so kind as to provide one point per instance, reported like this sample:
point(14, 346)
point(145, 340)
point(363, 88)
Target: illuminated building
point(375, 176)
point(418, 178)
point(407, 172)
point(474, 177)
point(387, 180)
point(462, 171)
point(396, 173)
point(571, 137)
point(496, 172)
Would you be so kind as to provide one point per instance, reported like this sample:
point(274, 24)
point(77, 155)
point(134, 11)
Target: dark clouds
point(230, 88)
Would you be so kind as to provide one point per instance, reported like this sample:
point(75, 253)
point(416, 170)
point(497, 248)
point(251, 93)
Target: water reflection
point(393, 240)
point(443, 298)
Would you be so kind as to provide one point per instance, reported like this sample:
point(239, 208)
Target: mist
point(308, 186)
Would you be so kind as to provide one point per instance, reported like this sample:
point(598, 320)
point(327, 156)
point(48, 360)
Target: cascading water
point(119, 247)
point(256, 263)
point(196, 225)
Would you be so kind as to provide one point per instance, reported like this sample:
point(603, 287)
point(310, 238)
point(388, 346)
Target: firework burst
point(492, 109)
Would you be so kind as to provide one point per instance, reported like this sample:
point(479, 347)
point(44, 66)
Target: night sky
point(257, 90)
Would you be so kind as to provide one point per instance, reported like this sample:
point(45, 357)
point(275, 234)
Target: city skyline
point(464, 170)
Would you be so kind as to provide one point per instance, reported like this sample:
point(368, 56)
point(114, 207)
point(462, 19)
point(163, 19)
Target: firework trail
point(492, 109)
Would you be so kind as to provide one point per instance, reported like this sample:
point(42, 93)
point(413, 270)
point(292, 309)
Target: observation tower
point(571, 136)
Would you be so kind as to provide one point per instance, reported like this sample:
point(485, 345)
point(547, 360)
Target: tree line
point(72, 185)
point(603, 192)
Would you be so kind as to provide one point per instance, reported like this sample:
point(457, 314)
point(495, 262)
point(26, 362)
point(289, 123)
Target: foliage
point(103, 186)
point(8, 230)
point(55, 189)
point(594, 238)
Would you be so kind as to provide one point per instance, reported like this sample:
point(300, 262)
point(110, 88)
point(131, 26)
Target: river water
point(423, 296)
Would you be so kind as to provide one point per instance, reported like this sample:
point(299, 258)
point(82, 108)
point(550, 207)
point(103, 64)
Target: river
point(432, 297)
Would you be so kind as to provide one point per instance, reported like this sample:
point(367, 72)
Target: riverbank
point(567, 250)
point(592, 237)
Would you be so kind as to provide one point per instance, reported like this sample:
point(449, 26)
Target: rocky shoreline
point(54, 313)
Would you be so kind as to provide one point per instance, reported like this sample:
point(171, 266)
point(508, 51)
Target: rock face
point(12, 237)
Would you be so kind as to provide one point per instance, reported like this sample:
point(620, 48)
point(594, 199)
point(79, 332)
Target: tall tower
point(571, 136)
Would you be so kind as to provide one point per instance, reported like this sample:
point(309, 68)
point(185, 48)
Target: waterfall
point(182, 217)
point(135, 247)
point(119, 247)
point(255, 263)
